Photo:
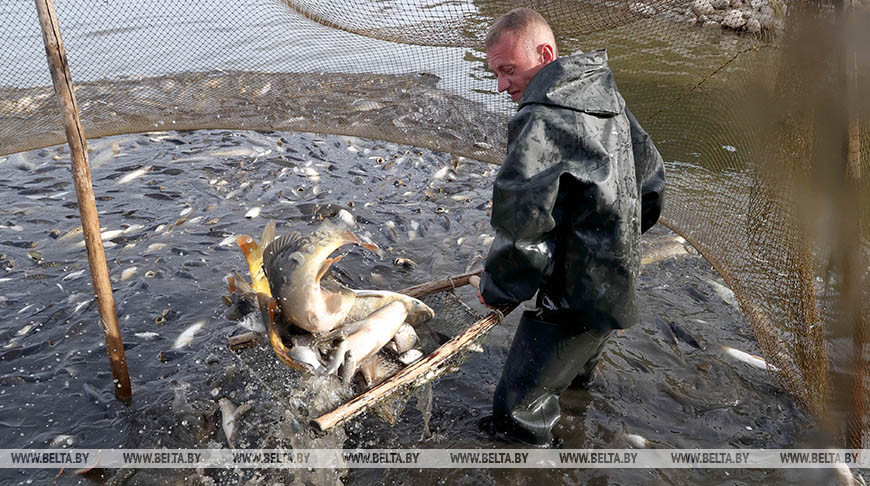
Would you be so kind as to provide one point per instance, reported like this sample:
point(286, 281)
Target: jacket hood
point(581, 82)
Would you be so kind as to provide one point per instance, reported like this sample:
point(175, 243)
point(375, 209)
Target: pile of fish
point(332, 329)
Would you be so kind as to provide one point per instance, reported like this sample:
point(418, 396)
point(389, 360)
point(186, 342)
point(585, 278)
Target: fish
point(62, 440)
point(155, 247)
point(146, 335)
point(374, 332)
point(253, 252)
point(404, 340)
point(695, 294)
point(295, 263)
point(71, 233)
point(306, 356)
point(73, 275)
point(684, 336)
point(186, 337)
point(636, 440)
point(673, 248)
point(666, 330)
point(134, 175)
point(95, 395)
point(230, 415)
point(128, 273)
point(750, 359)
point(410, 356)
point(243, 297)
point(367, 301)
point(723, 292)
point(303, 356)
point(269, 309)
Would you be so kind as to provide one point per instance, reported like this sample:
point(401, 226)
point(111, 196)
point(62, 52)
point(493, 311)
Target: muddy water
point(171, 204)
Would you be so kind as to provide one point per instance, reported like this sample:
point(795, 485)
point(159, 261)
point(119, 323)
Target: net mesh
point(760, 115)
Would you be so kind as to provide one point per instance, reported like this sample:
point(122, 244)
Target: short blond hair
point(522, 21)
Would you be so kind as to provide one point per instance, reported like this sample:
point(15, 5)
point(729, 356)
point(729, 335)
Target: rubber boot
point(543, 360)
point(586, 376)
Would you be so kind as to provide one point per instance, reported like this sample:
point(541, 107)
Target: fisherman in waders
point(580, 183)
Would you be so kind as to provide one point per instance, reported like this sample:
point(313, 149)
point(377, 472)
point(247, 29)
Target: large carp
point(294, 264)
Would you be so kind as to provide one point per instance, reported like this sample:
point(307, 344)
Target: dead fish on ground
point(230, 416)
point(684, 336)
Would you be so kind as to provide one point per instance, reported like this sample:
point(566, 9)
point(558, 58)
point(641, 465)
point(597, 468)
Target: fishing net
point(758, 107)
point(452, 318)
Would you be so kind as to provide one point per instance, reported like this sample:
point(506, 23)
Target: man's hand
point(475, 282)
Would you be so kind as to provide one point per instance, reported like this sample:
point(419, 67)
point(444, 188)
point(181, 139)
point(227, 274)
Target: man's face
point(514, 64)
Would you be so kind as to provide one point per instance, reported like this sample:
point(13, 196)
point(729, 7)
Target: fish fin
point(269, 308)
point(268, 234)
point(276, 247)
point(333, 302)
point(369, 370)
point(325, 266)
point(241, 410)
point(337, 357)
point(253, 255)
point(348, 235)
point(349, 368)
point(250, 248)
point(231, 283)
point(241, 284)
point(368, 246)
point(371, 293)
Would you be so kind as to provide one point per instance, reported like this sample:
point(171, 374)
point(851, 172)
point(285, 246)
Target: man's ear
point(547, 53)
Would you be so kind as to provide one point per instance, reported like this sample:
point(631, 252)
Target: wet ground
point(172, 204)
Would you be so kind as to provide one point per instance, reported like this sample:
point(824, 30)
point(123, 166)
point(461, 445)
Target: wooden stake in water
point(60, 76)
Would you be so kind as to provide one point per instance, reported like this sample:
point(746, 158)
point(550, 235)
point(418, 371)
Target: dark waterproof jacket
point(580, 183)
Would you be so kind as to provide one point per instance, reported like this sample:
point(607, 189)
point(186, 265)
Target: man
point(580, 183)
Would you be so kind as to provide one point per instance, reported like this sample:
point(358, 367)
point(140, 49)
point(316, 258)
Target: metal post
point(60, 75)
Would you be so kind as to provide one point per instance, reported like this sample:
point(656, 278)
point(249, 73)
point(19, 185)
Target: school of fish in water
point(173, 208)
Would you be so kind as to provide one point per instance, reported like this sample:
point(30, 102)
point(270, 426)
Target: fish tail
point(254, 256)
point(269, 308)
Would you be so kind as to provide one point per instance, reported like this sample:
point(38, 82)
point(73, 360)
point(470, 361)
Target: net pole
point(60, 76)
point(853, 177)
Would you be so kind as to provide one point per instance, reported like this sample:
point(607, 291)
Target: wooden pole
point(440, 285)
point(852, 276)
point(427, 368)
point(60, 76)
